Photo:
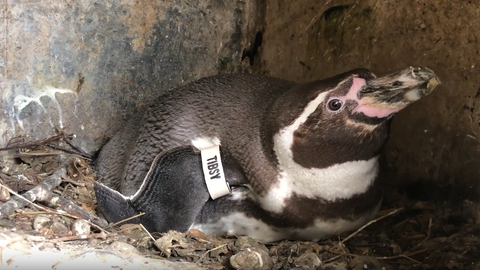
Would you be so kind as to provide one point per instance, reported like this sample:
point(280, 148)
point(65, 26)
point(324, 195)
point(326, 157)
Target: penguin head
point(345, 117)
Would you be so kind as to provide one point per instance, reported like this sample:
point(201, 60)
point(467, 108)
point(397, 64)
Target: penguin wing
point(171, 196)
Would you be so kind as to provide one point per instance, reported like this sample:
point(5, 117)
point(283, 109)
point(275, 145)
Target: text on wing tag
point(213, 172)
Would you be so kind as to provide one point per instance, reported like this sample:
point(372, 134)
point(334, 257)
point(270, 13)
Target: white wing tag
point(213, 171)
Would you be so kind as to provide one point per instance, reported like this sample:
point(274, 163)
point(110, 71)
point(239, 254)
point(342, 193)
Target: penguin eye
point(335, 104)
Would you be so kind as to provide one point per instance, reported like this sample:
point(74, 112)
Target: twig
point(398, 257)
point(429, 233)
point(100, 235)
point(65, 189)
point(77, 151)
point(208, 251)
point(76, 148)
point(56, 212)
point(405, 255)
point(145, 229)
point(370, 223)
point(38, 154)
point(126, 219)
point(33, 144)
point(23, 198)
point(73, 182)
point(79, 167)
point(28, 213)
point(74, 209)
point(40, 190)
point(335, 257)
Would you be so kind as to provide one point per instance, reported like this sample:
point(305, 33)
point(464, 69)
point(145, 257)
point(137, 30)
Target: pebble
point(59, 229)
point(123, 248)
point(244, 242)
point(308, 260)
point(4, 193)
point(80, 227)
point(49, 225)
point(41, 221)
point(364, 263)
point(334, 266)
point(253, 258)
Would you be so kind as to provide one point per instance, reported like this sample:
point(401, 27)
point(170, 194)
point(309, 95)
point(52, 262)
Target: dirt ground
point(430, 218)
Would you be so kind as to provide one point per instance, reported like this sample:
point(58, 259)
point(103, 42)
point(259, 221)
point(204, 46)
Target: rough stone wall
point(84, 66)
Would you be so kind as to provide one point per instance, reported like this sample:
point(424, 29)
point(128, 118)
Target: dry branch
point(37, 193)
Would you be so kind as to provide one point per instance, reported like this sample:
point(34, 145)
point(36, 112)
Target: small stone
point(244, 242)
point(59, 228)
point(308, 259)
point(80, 227)
point(334, 266)
point(4, 194)
point(42, 221)
point(251, 258)
point(364, 263)
point(169, 241)
point(126, 250)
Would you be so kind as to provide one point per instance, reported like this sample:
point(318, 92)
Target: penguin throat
point(338, 181)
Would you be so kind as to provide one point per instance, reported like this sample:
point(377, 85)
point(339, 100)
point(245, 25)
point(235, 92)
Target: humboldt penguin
point(298, 161)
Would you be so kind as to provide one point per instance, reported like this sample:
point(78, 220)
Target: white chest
point(340, 181)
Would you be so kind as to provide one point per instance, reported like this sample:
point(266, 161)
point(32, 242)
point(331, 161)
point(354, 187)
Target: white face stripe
point(364, 126)
point(311, 107)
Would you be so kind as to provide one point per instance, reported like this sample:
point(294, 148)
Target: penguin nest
point(407, 234)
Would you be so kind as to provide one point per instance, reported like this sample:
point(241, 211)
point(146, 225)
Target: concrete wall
point(83, 66)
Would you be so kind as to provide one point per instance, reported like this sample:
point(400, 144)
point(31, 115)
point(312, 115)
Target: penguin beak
point(383, 96)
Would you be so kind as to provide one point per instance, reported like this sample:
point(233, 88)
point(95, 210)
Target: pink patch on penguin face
point(372, 111)
point(357, 85)
point(363, 107)
point(352, 94)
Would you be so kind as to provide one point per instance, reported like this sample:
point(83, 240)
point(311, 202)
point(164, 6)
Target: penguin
point(299, 161)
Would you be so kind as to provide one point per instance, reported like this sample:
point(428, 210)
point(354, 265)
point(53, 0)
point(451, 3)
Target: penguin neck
point(336, 182)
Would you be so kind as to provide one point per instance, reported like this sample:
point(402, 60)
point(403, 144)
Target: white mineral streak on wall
point(22, 101)
point(16, 97)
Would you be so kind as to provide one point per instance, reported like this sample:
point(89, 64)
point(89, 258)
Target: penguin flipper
point(171, 196)
point(113, 205)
